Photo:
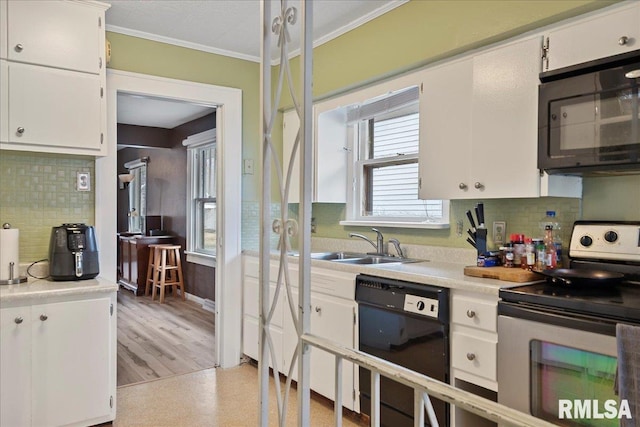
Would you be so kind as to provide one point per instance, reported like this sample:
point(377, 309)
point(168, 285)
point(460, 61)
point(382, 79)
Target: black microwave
point(589, 118)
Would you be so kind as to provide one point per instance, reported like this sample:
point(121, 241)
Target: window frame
point(357, 150)
point(195, 144)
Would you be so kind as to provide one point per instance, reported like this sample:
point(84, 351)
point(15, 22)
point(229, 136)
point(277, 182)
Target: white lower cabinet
point(333, 316)
point(57, 363)
point(474, 343)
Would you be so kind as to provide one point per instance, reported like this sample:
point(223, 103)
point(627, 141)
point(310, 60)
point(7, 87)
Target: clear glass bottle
point(530, 254)
point(552, 219)
point(540, 261)
point(551, 254)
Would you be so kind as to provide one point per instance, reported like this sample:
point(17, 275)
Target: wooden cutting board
point(515, 274)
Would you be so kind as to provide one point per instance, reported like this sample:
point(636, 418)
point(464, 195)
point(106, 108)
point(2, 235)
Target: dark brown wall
point(167, 188)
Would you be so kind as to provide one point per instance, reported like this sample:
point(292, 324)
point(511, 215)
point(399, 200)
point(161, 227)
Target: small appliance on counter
point(73, 252)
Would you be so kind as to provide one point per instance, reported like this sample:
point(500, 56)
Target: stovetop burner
point(609, 246)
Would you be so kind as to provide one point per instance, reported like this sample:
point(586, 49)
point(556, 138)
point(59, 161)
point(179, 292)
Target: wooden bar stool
point(151, 269)
point(167, 270)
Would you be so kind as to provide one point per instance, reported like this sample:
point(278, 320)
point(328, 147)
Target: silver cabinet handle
point(20, 130)
point(471, 314)
point(18, 320)
point(43, 317)
point(478, 185)
point(471, 356)
point(622, 41)
point(462, 186)
point(318, 309)
point(19, 47)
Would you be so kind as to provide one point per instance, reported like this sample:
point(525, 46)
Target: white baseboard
point(206, 303)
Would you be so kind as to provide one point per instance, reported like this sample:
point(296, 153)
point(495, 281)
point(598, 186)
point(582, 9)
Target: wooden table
point(133, 259)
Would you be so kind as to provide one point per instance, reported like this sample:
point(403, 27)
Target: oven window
point(560, 372)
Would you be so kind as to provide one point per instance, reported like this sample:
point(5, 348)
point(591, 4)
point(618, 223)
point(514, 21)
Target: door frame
point(228, 272)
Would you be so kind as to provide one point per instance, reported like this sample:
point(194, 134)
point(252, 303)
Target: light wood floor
point(162, 340)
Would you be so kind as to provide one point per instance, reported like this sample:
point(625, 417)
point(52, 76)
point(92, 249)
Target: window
point(201, 202)
point(385, 135)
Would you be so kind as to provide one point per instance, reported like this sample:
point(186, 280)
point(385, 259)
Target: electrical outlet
point(83, 181)
point(499, 232)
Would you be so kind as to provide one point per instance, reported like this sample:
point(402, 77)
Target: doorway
point(229, 131)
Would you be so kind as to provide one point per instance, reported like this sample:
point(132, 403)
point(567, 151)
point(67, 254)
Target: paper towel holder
point(11, 280)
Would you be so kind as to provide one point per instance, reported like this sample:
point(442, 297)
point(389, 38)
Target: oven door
point(540, 362)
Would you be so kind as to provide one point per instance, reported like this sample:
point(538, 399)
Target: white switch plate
point(83, 181)
point(248, 167)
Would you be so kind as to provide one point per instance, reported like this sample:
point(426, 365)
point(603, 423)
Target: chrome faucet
point(396, 244)
point(379, 245)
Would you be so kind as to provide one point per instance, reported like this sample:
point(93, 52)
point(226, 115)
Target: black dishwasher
point(406, 324)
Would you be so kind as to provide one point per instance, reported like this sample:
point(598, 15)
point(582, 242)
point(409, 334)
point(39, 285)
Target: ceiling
point(225, 27)
point(232, 27)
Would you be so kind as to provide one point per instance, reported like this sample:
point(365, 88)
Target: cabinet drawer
point(474, 312)
point(474, 355)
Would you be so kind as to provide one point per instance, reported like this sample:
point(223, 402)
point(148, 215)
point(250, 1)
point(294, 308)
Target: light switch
point(248, 166)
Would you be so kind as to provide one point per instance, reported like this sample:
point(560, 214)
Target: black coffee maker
point(73, 253)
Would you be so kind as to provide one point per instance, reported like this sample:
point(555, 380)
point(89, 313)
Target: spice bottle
point(518, 248)
point(551, 254)
point(539, 248)
point(508, 255)
point(530, 255)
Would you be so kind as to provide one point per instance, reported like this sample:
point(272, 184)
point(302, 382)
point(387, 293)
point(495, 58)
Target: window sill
point(396, 224)
point(202, 259)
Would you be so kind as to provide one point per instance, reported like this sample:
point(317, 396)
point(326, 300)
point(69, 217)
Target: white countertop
point(35, 289)
point(436, 273)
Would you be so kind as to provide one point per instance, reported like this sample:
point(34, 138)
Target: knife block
point(481, 240)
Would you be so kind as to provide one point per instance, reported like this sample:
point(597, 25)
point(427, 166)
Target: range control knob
point(586, 241)
point(610, 236)
point(420, 305)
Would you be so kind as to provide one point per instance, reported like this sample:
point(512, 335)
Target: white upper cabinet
point(58, 34)
point(601, 35)
point(504, 152)
point(52, 76)
point(329, 157)
point(445, 131)
point(479, 128)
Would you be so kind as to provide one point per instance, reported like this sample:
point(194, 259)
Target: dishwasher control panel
point(421, 305)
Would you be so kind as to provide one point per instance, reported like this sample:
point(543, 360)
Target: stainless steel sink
point(373, 259)
point(336, 256)
point(359, 258)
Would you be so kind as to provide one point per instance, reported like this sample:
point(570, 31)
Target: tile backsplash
point(38, 191)
point(520, 215)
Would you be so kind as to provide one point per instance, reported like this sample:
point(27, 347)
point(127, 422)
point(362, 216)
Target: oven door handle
point(559, 318)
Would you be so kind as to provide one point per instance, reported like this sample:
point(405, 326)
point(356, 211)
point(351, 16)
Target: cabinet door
point(505, 111)
point(329, 158)
point(57, 34)
point(54, 108)
point(596, 37)
point(72, 370)
point(15, 366)
point(333, 319)
point(445, 131)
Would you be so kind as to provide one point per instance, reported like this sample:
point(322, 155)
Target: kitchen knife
point(471, 242)
point(480, 215)
point(473, 224)
point(471, 234)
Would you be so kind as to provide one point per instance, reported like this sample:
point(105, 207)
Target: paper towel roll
point(9, 252)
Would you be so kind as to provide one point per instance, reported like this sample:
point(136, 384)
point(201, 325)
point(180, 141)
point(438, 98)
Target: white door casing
point(228, 296)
